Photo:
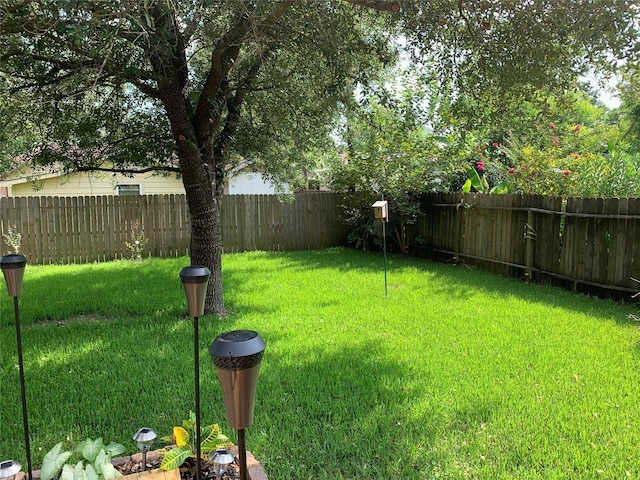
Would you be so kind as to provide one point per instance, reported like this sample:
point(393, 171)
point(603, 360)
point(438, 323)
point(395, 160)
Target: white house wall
point(249, 183)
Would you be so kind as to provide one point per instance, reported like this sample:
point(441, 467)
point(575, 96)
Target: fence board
point(632, 251)
point(617, 252)
point(600, 243)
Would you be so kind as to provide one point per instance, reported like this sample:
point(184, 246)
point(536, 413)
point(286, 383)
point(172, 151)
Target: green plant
point(184, 438)
point(90, 460)
point(481, 184)
point(13, 239)
point(138, 242)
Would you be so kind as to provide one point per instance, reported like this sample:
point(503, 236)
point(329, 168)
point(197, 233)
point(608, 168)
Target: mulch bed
point(187, 469)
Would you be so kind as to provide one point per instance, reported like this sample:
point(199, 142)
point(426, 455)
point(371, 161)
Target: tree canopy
point(187, 86)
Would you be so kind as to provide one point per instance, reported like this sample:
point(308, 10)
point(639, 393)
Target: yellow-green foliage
point(184, 438)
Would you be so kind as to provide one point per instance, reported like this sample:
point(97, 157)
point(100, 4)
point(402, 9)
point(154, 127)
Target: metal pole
point(384, 247)
point(242, 451)
point(144, 459)
point(197, 384)
point(22, 388)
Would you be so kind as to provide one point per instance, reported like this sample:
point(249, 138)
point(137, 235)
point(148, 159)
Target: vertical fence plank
point(632, 245)
point(617, 251)
point(599, 242)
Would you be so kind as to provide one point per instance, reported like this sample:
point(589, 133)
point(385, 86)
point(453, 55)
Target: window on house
point(131, 189)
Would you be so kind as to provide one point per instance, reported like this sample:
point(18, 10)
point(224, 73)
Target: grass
point(456, 374)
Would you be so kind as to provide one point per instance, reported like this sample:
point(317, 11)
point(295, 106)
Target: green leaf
point(101, 459)
point(90, 448)
point(78, 471)
point(109, 472)
point(191, 423)
point(175, 457)
point(53, 462)
point(213, 438)
point(90, 473)
point(115, 449)
point(476, 182)
point(502, 188)
point(466, 188)
point(67, 473)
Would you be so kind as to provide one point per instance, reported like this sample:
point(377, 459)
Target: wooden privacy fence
point(582, 243)
point(97, 228)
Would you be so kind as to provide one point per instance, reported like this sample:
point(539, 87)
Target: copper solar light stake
point(144, 437)
point(13, 271)
point(237, 356)
point(194, 280)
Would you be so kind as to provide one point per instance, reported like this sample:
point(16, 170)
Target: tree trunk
point(206, 244)
point(204, 207)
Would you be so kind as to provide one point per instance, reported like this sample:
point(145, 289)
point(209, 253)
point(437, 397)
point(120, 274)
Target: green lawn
point(455, 374)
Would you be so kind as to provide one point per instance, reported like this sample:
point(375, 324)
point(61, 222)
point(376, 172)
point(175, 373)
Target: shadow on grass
point(109, 289)
point(102, 380)
point(313, 412)
point(336, 413)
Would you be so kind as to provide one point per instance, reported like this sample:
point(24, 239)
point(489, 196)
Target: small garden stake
point(144, 437)
point(13, 271)
point(194, 280)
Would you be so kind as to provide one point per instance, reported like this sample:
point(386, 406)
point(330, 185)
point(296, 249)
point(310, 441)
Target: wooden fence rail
point(97, 228)
point(586, 244)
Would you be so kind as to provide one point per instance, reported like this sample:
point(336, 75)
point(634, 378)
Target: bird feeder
point(381, 211)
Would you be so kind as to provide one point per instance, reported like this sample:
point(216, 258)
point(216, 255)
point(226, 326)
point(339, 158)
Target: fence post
point(460, 212)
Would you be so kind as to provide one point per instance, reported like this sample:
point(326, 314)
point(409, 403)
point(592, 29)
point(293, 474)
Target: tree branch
point(193, 25)
point(129, 171)
point(380, 5)
point(223, 58)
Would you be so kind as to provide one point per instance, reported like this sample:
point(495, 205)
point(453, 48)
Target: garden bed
point(131, 466)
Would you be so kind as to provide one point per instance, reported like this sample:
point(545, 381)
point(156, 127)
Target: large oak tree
point(184, 85)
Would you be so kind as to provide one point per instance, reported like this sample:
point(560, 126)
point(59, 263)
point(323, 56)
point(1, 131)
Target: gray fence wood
point(590, 242)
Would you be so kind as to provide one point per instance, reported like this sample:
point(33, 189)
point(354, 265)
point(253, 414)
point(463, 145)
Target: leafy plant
point(90, 460)
point(13, 239)
point(184, 438)
point(481, 184)
point(138, 242)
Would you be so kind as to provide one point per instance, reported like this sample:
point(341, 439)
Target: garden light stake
point(221, 460)
point(9, 469)
point(237, 356)
point(194, 280)
point(13, 270)
point(144, 437)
